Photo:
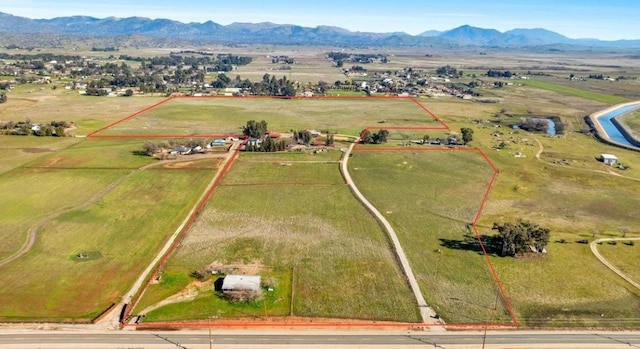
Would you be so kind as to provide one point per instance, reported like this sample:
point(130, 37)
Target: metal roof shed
point(609, 159)
point(241, 283)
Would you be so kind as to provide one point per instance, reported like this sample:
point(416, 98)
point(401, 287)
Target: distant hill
point(287, 34)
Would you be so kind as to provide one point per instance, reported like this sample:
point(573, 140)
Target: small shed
point(609, 159)
point(241, 283)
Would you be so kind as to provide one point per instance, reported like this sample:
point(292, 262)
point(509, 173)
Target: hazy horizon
point(572, 18)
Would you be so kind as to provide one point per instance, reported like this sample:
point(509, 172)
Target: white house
point(241, 283)
point(609, 159)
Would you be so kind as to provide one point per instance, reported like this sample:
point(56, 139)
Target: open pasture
point(311, 67)
point(16, 151)
point(431, 198)
point(119, 232)
point(96, 154)
point(337, 255)
point(623, 255)
point(87, 112)
point(226, 115)
point(579, 199)
point(32, 195)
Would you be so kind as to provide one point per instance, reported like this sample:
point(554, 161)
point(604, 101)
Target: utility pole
point(495, 307)
point(209, 326)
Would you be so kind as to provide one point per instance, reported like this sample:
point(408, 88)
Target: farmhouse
point(609, 159)
point(241, 283)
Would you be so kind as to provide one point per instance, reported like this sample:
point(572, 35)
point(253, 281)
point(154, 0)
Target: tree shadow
point(217, 285)
point(470, 242)
point(139, 153)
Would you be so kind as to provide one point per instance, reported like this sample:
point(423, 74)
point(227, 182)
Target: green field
point(211, 116)
point(16, 151)
point(118, 231)
point(431, 198)
point(623, 254)
point(87, 112)
point(340, 259)
point(596, 96)
point(575, 196)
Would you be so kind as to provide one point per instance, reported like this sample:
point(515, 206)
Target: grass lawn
point(431, 197)
point(210, 116)
point(120, 233)
point(340, 259)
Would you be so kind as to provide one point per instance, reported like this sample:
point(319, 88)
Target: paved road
point(428, 315)
point(200, 339)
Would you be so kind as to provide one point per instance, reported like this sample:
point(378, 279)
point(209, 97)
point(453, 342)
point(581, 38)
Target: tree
point(516, 238)
point(150, 148)
point(60, 131)
point(365, 137)
point(375, 138)
point(380, 136)
point(467, 135)
point(255, 129)
point(329, 141)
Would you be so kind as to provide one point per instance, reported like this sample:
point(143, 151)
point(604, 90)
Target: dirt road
point(428, 314)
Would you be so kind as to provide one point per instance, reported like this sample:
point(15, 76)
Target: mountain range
point(286, 34)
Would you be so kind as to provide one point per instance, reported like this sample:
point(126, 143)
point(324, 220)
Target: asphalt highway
point(200, 339)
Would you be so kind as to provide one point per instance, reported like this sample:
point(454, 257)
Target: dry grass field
point(290, 217)
point(307, 223)
point(227, 115)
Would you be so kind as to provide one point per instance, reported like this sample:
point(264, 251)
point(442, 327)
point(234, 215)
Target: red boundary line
point(430, 113)
point(164, 136)
point(226, 169)
point(94, 134)
point(183, 231)
point(494, 175)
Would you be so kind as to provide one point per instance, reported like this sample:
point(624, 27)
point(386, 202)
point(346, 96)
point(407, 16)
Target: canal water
point(610, 128)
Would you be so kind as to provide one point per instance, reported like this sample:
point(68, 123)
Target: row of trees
point(374, 138)
point(499, 74)
point(25, 128)
point(448, 70)
point(268, 145)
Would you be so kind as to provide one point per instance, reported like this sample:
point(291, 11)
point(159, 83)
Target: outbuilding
point(241, 283)
point(609, 159)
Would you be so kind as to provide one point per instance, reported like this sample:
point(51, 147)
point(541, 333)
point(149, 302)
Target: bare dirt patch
point(182, 164)
point(189, 293)
point(36, 150)
point(253, 267)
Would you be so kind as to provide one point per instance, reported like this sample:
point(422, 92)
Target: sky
point(600, 19)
